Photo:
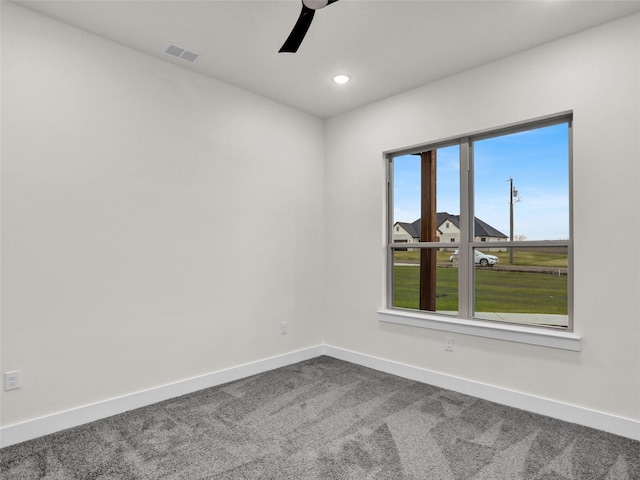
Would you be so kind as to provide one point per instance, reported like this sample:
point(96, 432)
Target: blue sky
point(537, 160)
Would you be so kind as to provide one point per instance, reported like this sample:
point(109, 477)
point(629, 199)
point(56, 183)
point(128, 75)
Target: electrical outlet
point(12, 380)
point(448, 344)
point(283, 328)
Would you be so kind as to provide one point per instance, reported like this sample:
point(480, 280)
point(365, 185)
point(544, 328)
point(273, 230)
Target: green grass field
point(496, 291)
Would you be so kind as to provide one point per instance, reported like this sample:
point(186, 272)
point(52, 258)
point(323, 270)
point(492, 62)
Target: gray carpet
point(325, 419)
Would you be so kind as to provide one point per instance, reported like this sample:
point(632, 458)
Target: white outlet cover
point(12, 380)
point(448, 344)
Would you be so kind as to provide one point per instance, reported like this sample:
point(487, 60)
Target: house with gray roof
point(448, 230)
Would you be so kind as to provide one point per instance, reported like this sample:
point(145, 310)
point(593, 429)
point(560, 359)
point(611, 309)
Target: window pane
point(406, 280)
point(521, 184)
point(531, 290)
point(407, 190)
point(406, 196)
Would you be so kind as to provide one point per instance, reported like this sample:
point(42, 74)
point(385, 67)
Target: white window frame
point(463, 323)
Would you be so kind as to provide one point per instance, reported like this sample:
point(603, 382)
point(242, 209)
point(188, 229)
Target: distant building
point(448, 230)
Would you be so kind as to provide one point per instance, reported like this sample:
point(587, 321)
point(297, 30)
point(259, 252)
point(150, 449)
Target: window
point(507, 193)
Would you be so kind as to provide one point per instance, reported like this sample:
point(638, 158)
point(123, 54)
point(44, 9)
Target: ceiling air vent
point(179, 52)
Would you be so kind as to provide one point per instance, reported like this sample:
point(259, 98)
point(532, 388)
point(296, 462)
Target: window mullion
point(465, 266)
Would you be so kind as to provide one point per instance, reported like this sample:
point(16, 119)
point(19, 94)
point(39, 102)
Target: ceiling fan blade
point(296, 36)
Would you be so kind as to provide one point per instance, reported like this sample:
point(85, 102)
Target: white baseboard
point(38, 427)
point(624, 427)
point(56, 422)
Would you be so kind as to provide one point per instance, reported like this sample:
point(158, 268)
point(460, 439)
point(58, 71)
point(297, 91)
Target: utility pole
point(513, 193)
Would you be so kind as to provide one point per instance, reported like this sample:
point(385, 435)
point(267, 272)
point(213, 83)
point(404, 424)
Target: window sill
point(479, 328)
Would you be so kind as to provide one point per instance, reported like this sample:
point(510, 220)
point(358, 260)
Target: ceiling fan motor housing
point(315, 4)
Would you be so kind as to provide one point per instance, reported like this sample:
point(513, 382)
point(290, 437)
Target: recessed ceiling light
point(341, 79)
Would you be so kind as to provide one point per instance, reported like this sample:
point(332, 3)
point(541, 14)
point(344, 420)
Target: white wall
point(595, 74)
point(142, 208)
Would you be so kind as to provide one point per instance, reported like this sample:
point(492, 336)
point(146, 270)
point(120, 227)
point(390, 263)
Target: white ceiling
point(386, 46)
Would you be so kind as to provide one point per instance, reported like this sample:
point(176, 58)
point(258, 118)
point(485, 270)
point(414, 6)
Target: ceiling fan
point(296, 36)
